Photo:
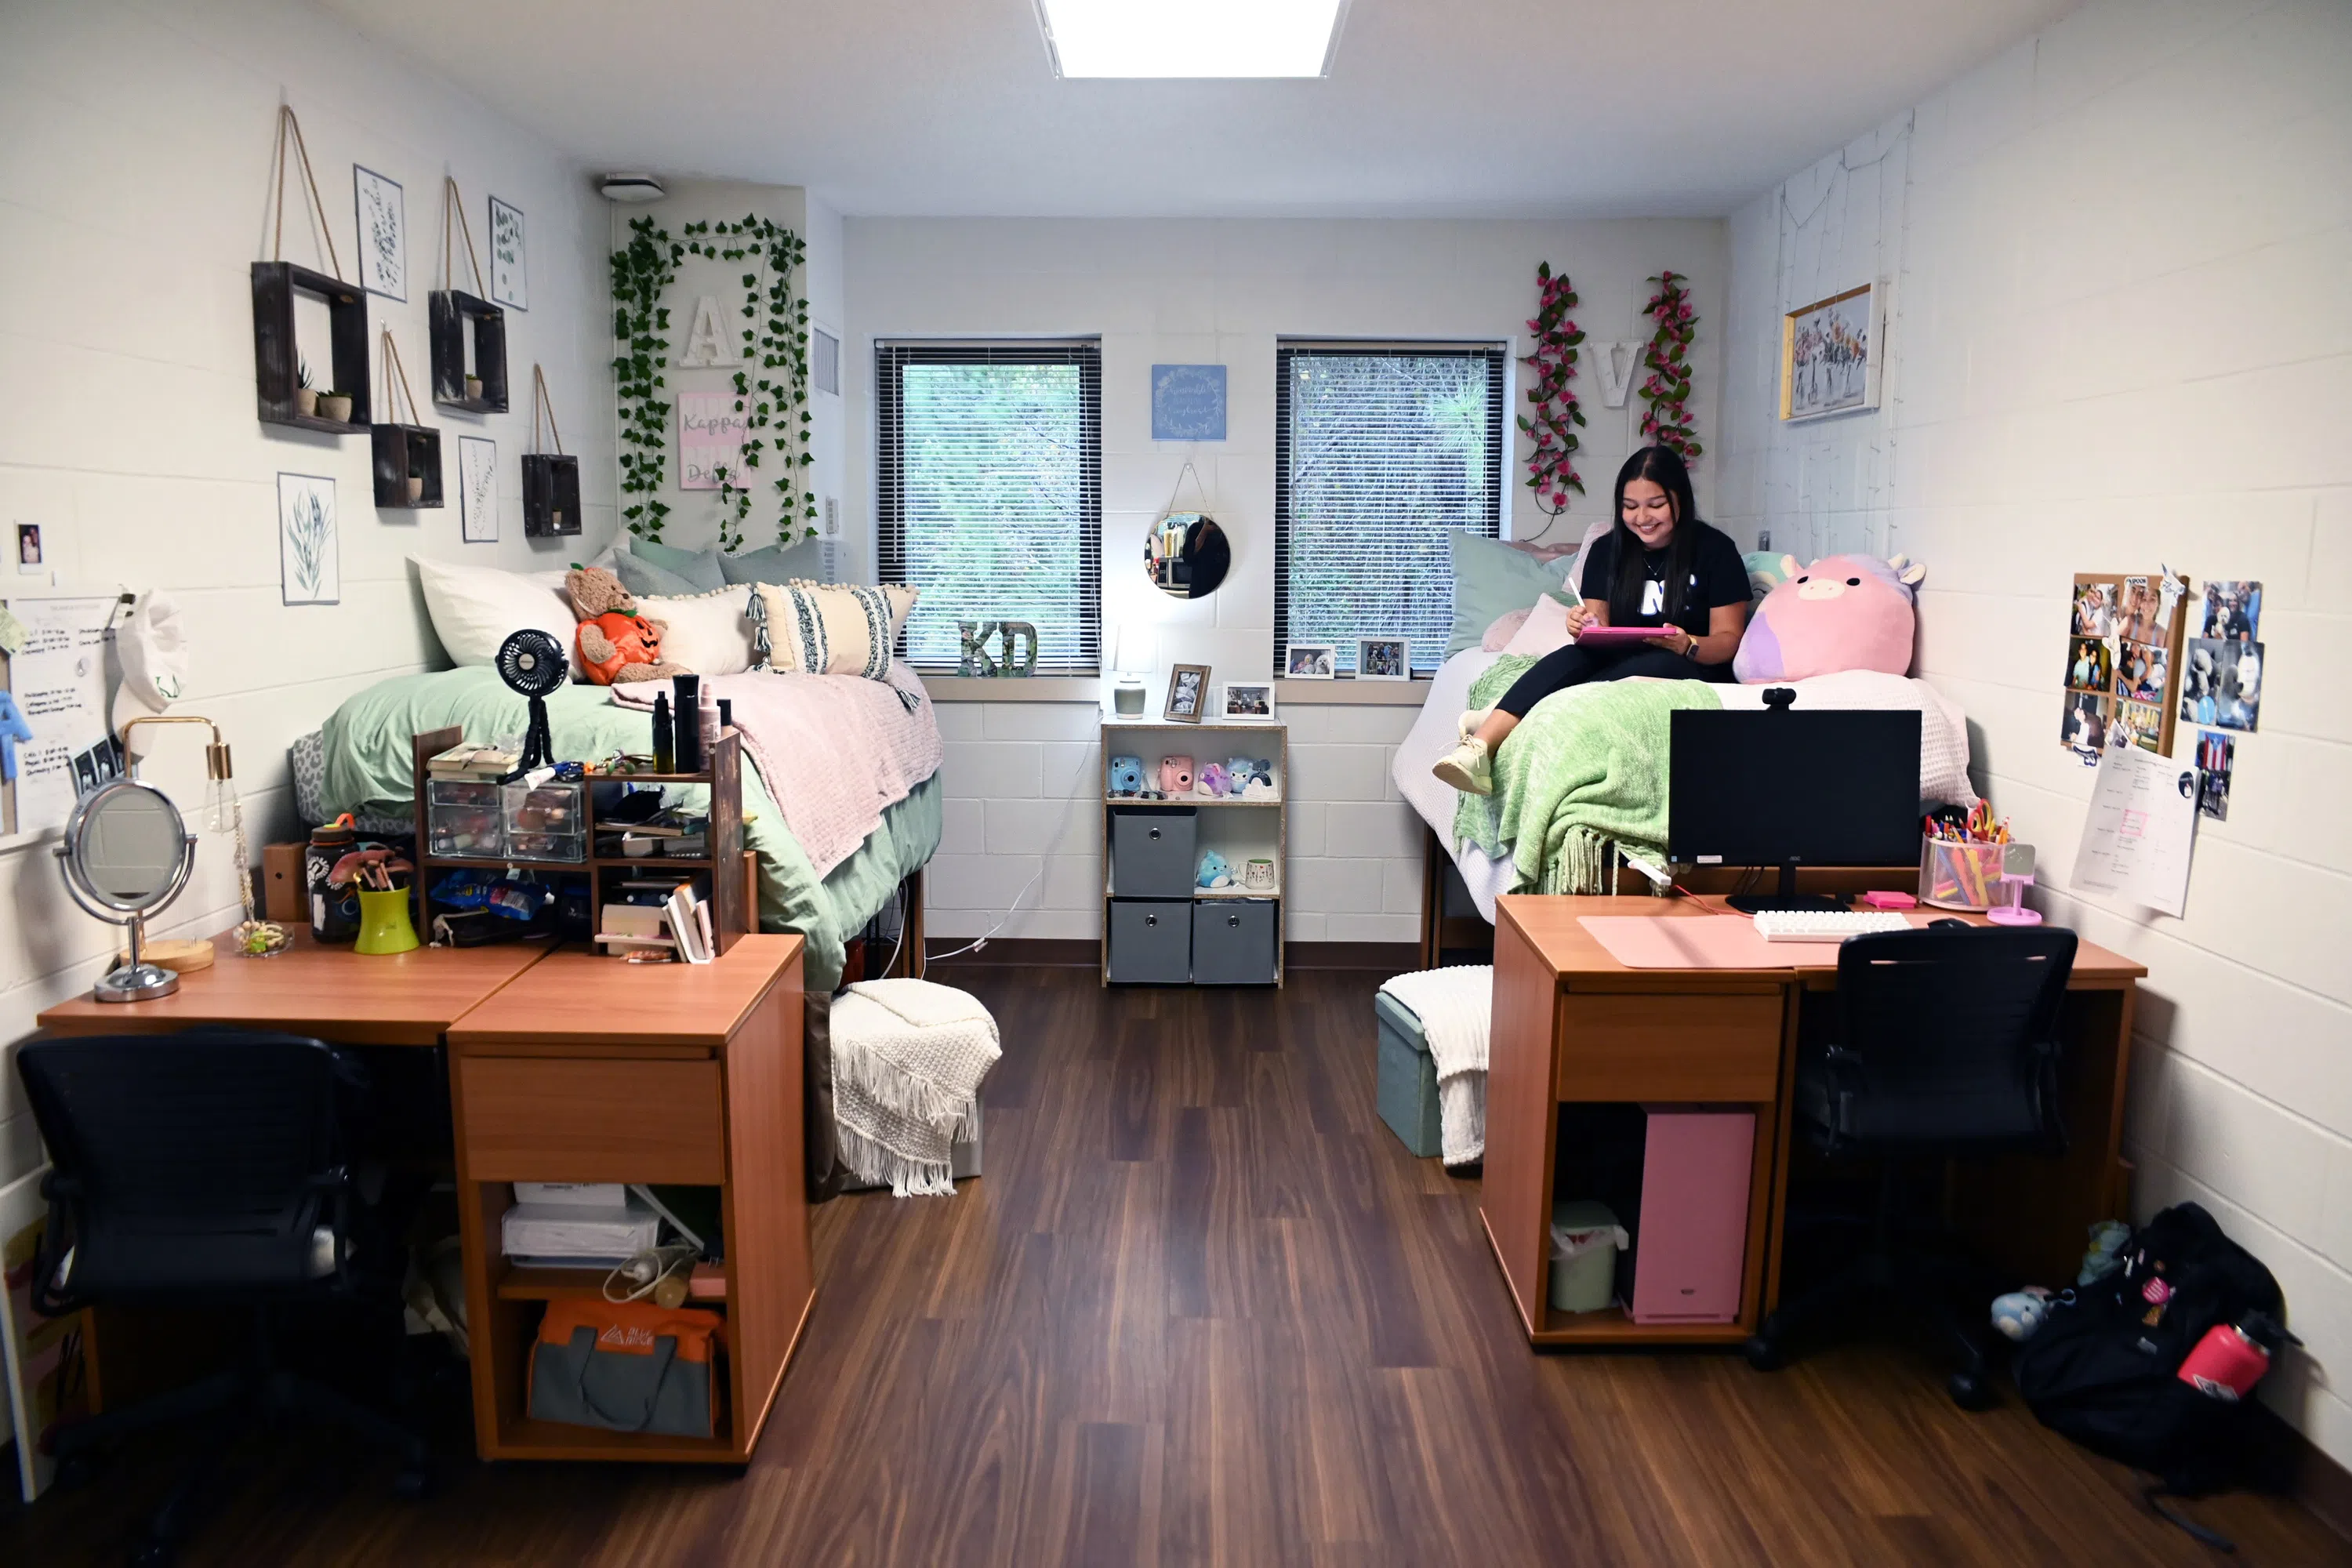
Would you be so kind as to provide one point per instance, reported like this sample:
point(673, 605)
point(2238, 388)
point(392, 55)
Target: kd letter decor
point(1017, 644)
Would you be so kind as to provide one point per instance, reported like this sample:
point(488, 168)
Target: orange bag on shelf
point(630, 1367)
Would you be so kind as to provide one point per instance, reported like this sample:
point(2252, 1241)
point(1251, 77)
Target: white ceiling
point(1433, 108)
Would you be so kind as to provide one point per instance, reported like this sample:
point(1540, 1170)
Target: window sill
point(1085, 689)
point(1351, 693)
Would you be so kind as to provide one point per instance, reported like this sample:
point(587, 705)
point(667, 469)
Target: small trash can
point(1408, 1078)
point(1585, 1240)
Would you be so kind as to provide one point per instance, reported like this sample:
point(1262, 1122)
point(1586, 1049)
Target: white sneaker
point(1467, 768)
point(1470, 722)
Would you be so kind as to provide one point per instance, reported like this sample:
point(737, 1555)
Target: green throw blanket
point(1586, 768)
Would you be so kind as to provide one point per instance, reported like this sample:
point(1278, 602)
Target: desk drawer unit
point(1708, 1047)
point(591, 1119)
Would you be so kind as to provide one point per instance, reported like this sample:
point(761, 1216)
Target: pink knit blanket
point(834, 749)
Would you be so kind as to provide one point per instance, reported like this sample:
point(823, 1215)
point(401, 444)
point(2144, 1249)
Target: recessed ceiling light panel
point(1192, 38)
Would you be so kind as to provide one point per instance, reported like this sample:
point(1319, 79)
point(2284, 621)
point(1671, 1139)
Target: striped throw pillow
point(834, 630)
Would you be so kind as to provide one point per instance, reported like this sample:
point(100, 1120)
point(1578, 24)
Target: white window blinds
point(1381, 453)
point(991, 493)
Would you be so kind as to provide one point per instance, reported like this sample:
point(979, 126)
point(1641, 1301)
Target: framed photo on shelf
point(1311, 661)
point(1245, 702)
point(1187, 694)
point(1383, 659)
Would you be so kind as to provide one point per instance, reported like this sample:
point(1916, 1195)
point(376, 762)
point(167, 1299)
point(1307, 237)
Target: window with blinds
point(1381, 453)
point(990, 495)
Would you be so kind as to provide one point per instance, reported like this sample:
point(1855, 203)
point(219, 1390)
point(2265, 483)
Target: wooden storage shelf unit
point(277, 358)
point(1238, 828)
point(587, 1070)
point(733, 909)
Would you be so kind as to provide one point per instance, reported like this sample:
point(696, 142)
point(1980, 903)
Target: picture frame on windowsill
point(1383, 659)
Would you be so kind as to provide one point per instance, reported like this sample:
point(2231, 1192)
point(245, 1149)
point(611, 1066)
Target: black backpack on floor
point(2103, 1368)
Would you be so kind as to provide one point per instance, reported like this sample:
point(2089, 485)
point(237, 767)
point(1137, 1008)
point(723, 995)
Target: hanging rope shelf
point(284, 382)
point(551, 481)
point(456, 317)
point(408, 457)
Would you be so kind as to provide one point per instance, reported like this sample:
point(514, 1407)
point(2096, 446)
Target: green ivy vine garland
point(777, 342)
point(642, 271)
point(768, 392)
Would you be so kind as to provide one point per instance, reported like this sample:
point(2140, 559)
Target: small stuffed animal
point(2021, 1313)
point(1127, 775)
point(1216, 871)
point(615, 644)
point(1176, 775)
point(1844, 612)
point(1214, 781)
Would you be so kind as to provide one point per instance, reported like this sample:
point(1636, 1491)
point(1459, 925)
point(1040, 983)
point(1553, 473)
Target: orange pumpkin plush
point(616, 643)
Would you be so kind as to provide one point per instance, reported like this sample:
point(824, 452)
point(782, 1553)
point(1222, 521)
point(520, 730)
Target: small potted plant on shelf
point(381, 877)
point(473, 388)
point(415, 484)
point(306, 396)
point(335, 405)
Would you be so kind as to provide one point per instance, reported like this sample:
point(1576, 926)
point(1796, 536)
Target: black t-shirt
point(1718, 577)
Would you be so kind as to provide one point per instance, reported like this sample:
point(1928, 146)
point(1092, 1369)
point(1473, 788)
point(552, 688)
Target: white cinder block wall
point(135, 159)
point(2121, 335)
point(1223, 292)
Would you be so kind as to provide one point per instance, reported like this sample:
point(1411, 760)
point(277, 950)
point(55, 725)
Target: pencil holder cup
point(1959, 874)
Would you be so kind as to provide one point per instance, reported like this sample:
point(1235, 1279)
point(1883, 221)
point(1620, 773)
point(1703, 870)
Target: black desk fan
point(532, 662)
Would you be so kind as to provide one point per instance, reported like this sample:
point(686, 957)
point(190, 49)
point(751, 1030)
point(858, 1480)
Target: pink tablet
point(1617, 636)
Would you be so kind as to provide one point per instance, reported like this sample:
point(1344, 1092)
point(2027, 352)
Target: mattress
point(1943, 737)
point(364, 767)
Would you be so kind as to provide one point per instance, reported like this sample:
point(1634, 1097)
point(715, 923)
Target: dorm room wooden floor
point(1204, 1308)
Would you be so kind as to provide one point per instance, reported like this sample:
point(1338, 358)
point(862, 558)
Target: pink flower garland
point(1551, 468)
point(1666, 389)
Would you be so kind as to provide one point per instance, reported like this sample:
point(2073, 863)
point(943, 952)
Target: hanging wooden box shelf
point(404, 453)
point(453, 313)
point(277, 359)
point(550, 495)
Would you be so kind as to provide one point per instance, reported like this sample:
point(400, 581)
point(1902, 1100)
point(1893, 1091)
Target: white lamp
point(1127, 695)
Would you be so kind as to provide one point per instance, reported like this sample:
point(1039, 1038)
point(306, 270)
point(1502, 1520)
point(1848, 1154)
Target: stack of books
point(468, 760)
point(680, 922)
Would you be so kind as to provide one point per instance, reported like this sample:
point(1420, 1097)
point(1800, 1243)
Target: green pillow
point(699, 568)
point(639, 575)
point(777, 565)
point(1491, 580)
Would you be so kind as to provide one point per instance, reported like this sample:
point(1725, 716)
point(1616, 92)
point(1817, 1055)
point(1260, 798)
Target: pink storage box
point(1693, 1241)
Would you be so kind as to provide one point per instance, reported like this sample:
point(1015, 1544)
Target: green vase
point(385, 926)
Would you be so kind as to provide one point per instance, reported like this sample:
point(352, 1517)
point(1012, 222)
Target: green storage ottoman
point(1408, 1083)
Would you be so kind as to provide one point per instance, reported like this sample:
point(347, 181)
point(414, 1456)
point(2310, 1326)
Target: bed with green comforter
point(368, 771)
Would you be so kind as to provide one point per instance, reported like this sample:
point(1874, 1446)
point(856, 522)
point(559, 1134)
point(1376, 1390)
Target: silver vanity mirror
point(126, 855)
point(1187, 555)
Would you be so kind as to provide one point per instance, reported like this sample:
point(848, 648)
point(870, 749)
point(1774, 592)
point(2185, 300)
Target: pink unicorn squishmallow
point(1844, 612)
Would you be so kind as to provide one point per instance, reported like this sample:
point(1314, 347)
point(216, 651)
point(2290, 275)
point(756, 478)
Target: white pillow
point(1544, 630)
point(710, 634)
point(476, 609)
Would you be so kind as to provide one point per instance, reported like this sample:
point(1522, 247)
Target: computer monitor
point(1788, 787)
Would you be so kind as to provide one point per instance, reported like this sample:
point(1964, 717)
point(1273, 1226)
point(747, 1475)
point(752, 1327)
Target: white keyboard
point(1825, 925)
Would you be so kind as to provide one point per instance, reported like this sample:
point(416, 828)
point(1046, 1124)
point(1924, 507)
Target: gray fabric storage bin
point(1151, 942)
point(1151, 852)
point(1408, 1081)
point(1232, 942)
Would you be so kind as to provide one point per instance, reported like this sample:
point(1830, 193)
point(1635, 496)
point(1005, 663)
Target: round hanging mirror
point(1187, 555)
point(127, 854)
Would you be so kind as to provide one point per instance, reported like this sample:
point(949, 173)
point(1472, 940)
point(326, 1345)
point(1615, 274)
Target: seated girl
point(1660, 566)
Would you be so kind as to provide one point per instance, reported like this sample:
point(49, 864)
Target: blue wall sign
point(1188, 403)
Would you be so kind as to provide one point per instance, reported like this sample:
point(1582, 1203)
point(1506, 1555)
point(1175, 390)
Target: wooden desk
point(320, 989)
point(590, 1069)
point(1571, 1023)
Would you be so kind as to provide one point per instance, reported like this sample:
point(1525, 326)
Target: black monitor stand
point(1786, 897)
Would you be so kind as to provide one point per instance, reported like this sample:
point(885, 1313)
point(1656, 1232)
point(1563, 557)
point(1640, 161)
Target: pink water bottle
point(2233, 1357)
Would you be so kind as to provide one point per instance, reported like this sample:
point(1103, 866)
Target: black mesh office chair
point(1948, 1047)
point(209, 1169)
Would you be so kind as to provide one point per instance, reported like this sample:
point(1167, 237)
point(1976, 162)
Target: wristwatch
point(1690, 650)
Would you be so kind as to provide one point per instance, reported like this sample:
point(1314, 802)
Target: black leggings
point(1574, 665)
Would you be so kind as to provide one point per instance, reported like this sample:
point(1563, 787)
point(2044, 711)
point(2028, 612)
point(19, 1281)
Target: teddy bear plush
point(616, 643)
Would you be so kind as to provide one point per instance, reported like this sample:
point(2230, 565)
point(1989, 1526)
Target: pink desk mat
point(1708, 942)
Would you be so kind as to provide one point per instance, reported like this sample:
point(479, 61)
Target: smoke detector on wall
point(631, 188)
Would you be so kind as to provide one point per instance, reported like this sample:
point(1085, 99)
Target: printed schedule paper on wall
point(58, 680)
point(2141, 827)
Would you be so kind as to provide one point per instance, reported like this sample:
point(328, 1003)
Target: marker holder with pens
point(1971, 873)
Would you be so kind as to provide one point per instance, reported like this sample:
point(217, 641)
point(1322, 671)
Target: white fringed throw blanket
point(1456, 1008)
point(907, 1060)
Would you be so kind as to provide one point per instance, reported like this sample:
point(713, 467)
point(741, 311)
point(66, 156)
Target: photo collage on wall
point(2123, 637)
point(2221, 675)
